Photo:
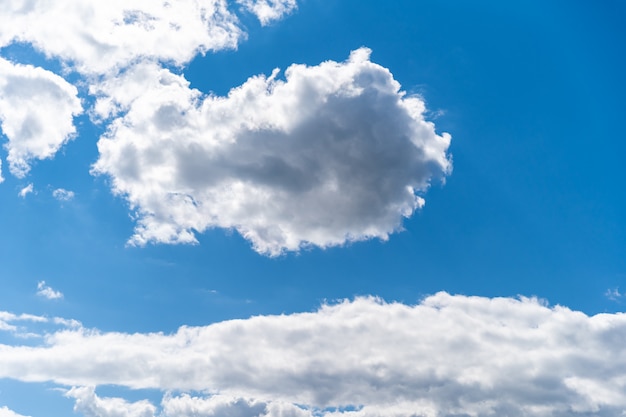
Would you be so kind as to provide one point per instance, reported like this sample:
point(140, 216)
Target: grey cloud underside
point(447, 356)
point(97, 40)
point(36, 112)
point(333, 153)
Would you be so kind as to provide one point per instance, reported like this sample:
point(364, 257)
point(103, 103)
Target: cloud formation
point(447, 356)
point(90, 405)
point(62, 194)
point(98, 40)
point(6, 412)
point(26, 190)
point(37, 108)
point(46, 291)
point(268, 11)
point(332, 154)
point(104, 37)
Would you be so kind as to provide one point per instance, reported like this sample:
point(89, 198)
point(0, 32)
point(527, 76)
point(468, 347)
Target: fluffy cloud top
point(447, 356)
point(90, 405)
point(37, 108)
point(334, 153)
point(269, 10)
point(98, 37)
point(101, 36)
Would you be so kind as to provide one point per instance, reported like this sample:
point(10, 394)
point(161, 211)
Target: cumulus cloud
point(100, 37)
point(62, 194)
point(26, 190)
point(45, 291)
point(90, 405)
point(332, 154)
point(446, 356)
point(228, 406)
point(269, 10)
point(37, 108)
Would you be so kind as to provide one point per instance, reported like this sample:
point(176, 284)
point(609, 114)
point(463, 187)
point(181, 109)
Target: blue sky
point(149, 186)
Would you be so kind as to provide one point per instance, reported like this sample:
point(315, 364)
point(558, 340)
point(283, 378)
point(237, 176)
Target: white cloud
point(26, 190)
point(97, 37)
point(47, 292)
point(62, 194)
point(6, 412)
point(333, 154)
point(1, 177)
point(37, 108)
point(8, 323)
point(90, 405)
point(269, 10)
point(447, 356)
point(227, 406)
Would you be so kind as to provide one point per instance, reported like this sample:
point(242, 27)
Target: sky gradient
point(313, 208)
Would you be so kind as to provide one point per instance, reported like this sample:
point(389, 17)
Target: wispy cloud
point(62, 194)
point(448, 355)
point(47, 292)
point(26, 190)
point(613, 294)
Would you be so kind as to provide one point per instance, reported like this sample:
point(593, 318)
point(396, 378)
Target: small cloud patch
point(26, 190)
point(62, 194)
point(47, 292)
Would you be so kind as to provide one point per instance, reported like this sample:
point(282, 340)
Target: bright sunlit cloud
point(333, 154)
point(448, 355)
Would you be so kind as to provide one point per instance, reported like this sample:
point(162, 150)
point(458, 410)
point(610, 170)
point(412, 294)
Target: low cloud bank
point(446, 356)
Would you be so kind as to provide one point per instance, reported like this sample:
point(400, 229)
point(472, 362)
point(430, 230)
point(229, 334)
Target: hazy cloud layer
point(447, 356)
point(37, 108)
point(334, 153)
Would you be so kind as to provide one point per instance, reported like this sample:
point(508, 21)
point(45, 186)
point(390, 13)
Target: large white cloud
point(334, 153)
point(447, 356)
point(97, 37)
point(37, 108)
point(101, 36)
